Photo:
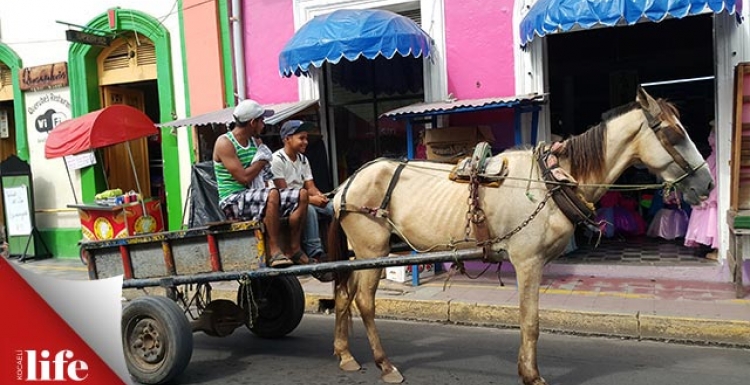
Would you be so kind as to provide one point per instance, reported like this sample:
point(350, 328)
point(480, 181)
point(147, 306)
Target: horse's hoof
point(349, 365)
point(392, 377)
point(538, 381)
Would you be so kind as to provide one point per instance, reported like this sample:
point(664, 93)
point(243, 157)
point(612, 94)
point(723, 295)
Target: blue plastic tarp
point(352, 34)
point(552, 16)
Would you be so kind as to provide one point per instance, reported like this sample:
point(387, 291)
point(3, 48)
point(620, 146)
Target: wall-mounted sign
point(87, 38)
point(44, 76)
point(45, 110)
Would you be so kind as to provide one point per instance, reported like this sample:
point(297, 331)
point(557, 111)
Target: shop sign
point(45, 76)
point(87, 38)
point(45, 110)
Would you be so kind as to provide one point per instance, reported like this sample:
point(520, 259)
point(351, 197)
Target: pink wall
point(479, 48)
point(268, 26)
point(202, 52)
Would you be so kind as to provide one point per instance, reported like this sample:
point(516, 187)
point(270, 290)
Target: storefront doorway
point(127, 75)
point(357, 93)
point(593, 71)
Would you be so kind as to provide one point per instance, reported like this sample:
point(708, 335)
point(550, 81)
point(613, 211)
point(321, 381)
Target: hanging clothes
point(671, 221)
point(702, 228)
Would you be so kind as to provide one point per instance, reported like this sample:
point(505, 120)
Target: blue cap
point(292, 127)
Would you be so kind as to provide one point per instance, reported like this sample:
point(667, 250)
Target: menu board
point(18, 216)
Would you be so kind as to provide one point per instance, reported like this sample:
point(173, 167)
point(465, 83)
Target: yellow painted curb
point(695, 329)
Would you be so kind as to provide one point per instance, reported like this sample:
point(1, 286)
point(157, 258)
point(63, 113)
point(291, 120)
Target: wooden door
point(117, 166)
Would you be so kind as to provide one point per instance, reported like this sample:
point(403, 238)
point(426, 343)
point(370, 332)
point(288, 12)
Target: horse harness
point(381, 211)
point(563, 188)
point(655, 124)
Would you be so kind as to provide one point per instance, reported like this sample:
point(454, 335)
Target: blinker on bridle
point(655, 124)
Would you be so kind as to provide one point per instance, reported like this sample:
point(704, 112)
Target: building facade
point(123, 54)
point(230, 50)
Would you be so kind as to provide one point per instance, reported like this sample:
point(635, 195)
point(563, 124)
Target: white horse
point(430, 212)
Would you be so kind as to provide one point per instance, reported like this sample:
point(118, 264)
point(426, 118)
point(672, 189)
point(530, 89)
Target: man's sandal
point(326, 276)
point(297, 258)
point(279, 260)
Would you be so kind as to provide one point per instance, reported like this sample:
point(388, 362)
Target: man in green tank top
point(241, 164)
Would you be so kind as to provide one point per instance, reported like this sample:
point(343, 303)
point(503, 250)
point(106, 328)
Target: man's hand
point(319, 200)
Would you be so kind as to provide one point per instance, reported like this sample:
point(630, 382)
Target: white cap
point(248, 110)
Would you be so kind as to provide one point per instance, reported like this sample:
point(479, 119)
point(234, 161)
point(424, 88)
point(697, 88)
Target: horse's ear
point(643, 98)
point(647, 102)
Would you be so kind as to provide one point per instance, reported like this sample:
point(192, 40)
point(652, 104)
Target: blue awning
point(552, 16)
point(352, 34)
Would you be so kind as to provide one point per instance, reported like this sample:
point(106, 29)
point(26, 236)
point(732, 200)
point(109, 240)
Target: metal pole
point(98, 154)
point(137, 182)
point(70, 180)
point(348, 265)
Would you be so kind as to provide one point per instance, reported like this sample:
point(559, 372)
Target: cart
point(157, 331)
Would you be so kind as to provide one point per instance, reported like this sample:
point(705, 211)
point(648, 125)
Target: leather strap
point(570, 203)
point(391, 186)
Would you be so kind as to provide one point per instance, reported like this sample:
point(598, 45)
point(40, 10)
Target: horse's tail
point(337, 249)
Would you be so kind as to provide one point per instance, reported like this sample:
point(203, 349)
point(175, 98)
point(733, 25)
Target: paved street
point(433, 353)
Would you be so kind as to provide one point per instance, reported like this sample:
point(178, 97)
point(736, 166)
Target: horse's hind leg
point(368, 281)
point(529, 276)
point(343, 299)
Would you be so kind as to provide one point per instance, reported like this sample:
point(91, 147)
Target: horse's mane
point(586, 151)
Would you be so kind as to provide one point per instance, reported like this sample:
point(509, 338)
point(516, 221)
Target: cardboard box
point(453, 143)
point(403, 273)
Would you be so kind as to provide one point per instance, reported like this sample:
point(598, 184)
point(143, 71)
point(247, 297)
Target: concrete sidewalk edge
point(636, 326)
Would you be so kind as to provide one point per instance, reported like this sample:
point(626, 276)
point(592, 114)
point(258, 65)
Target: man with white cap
point(241, 161)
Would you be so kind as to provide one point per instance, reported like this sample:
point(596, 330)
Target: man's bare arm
point(224, 152)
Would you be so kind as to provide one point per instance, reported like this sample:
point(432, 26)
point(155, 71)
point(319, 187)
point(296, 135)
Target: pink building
point(479, 50)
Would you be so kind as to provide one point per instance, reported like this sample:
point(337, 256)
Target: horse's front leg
point(529, 276)
point(343, 297)
point(368, 281)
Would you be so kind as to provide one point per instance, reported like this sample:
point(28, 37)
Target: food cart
point(108, 126)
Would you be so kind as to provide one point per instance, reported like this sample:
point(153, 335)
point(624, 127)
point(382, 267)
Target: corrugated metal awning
point(468, 105)
point(224, 116)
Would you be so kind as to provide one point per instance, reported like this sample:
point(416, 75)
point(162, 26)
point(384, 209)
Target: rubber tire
point(82, 254)
point(171, 329)
point(281, 305)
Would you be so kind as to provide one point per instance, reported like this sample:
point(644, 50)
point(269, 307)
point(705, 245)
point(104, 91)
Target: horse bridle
point(655, 124)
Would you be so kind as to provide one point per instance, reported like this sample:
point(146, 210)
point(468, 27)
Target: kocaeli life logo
point(33, 365)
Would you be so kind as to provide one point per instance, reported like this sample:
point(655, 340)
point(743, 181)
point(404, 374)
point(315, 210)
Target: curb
point(634, 326)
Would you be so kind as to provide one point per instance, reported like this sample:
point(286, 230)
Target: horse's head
point(667, 151)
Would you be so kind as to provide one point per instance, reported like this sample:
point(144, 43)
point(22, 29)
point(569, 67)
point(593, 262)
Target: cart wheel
point(84, 255)
point(279, 304)
point(157, 339)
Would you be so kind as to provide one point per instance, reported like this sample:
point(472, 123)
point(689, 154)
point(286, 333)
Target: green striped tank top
point(226, 184)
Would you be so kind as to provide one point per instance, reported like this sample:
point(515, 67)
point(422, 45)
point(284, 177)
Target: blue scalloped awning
point(352, 34)
point(553, 16)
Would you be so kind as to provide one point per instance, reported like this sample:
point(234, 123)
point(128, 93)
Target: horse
point(419, 203)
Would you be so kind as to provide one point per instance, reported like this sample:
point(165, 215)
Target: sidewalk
point(660, 306)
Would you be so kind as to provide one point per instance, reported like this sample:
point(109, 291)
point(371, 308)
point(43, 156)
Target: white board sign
point(81, 160)
point(17, 210)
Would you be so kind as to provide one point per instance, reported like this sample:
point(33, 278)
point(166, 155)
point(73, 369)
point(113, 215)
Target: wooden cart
point(157, 330)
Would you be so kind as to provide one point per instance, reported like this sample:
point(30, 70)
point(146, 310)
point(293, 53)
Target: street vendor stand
point(106, 127)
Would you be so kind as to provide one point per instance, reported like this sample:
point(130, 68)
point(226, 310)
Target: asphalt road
point(431, 353)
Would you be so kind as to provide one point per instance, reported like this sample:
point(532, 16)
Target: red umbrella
point(109, 126)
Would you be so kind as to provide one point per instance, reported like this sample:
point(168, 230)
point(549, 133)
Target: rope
point(610, 186)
